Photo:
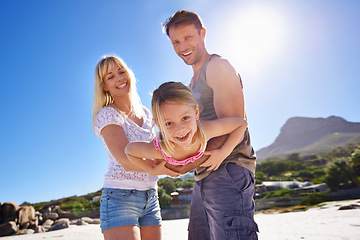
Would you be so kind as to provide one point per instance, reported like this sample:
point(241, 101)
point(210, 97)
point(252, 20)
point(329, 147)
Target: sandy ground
point(320, 223)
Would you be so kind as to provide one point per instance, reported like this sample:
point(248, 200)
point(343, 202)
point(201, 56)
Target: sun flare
point(255, 35)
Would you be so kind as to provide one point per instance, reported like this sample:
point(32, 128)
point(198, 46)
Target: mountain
point(312, 135)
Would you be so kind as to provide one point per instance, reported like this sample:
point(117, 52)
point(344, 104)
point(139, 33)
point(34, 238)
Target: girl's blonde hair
point(177, 92)
point(104, 98)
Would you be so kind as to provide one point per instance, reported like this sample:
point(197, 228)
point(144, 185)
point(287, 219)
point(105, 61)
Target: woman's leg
point(122, 232)
point(150, 233)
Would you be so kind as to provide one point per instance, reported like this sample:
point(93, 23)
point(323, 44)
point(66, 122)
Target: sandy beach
point(325, 222)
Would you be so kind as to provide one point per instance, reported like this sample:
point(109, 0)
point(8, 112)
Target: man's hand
point(214, 143)
point(159, 168)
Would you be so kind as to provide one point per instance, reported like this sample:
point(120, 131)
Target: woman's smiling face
point(117, 80)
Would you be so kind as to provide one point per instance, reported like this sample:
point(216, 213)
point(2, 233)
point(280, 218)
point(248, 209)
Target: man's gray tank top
point(243, 154)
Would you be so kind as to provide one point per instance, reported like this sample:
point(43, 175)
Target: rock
point(8, 228)
point(50, 215)
point(26, 217)
point(63, 220)
point(351, 206)
point(87, 220)
point(47, 224)
point(66, 214)
point(78, 222)
point(59, 225)
point(39, 217)
point(8, 212)
point(25, 231)
point(96, 221)
point(40, 229)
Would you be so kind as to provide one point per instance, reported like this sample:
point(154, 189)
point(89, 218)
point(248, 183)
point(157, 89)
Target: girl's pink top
point(172, 160)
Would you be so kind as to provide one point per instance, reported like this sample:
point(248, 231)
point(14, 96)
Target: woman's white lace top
point(117, 176)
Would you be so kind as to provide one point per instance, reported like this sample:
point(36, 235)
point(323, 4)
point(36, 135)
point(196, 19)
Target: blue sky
point(296, 58)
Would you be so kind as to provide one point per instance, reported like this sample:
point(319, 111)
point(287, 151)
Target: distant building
point(181, 198)
point(95, 198)
point(297, 186)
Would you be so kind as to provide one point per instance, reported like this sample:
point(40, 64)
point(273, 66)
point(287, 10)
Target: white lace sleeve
point(107, 116)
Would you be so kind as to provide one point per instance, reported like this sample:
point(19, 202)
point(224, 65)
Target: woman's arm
point(138, 151)
point(116, 141)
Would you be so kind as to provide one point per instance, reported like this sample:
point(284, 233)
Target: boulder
point(87, 220)
point(39, 216)
point(66, 214)
point(8, 211)
point(96, 221)
point(62, 220)
point(78, 222)
point(8, 228)
point(47, 224)
point(25, 231)
point(40, 229)
point(50, 215)
point(26, 217)
point(59, 225)
point(351, 206)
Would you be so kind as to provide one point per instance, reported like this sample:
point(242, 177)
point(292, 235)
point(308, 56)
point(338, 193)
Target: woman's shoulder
point(106, 110)
point(106, 116)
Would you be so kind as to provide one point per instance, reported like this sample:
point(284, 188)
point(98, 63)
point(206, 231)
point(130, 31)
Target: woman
point(129, 205)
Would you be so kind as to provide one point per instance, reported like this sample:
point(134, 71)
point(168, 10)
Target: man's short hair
point(182, 17)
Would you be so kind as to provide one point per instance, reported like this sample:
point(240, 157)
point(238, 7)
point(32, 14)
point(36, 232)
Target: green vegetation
point(315, 198)
point(168, 185)
point(281, 193)
point(339, 168)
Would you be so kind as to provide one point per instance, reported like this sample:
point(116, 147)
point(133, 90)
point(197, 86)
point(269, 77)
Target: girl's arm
point(138, 151)
point(235, 127)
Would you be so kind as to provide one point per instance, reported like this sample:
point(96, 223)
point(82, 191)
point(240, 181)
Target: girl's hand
point(214, 161)
point(160, 169)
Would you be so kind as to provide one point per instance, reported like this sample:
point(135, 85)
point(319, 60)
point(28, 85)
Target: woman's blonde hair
point(104, 98)
point(177, 92)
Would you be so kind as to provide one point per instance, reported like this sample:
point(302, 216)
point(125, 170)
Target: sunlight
point(255, 36)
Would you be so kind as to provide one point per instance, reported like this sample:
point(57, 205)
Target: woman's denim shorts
point(122, 207)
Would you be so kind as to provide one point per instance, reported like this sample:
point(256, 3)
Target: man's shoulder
point(219, 70)
point(217, 61)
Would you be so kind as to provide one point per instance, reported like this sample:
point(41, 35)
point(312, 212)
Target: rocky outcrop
point(26, 217)
point(8, 228)
point(19, 220)
point(301, 134)
point(8, 212)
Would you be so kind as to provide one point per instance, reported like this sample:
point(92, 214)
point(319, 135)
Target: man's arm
point(227, 88)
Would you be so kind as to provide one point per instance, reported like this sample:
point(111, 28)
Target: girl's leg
point(122, 232)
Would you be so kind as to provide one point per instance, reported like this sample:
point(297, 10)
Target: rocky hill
point(312, 136)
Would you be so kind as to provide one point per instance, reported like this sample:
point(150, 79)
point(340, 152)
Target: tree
point(339, 172)
point(164, 198)
point(355, 162)
point(168, 184)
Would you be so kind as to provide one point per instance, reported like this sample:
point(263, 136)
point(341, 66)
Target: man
point(222, 205)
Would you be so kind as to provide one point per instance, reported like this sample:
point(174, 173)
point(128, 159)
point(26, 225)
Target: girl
point(129, 206)
point(182, 138)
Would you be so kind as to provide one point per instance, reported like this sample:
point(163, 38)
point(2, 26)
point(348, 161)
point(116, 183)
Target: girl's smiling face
point(179, 122)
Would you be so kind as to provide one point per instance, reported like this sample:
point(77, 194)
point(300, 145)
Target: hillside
point(311, 135)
